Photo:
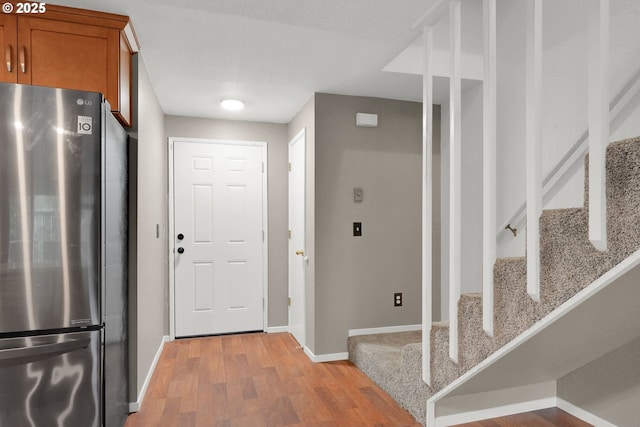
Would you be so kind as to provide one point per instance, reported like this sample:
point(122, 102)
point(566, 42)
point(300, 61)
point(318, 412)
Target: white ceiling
point(273, 54)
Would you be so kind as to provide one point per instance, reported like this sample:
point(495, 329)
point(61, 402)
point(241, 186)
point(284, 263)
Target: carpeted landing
point(568, 264)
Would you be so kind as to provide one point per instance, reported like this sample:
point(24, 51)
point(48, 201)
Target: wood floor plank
point(551, 417)
point(560, 416)
point(259, 380)
point(191, 383)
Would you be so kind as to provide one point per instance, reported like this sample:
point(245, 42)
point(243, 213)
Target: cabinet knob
point(180, 250)
point(180, 236)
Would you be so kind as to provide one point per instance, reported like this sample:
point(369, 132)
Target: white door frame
point(265, 225)
point(303, 137)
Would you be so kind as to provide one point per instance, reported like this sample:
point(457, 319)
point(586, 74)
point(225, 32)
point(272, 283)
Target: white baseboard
point(501, 411)
point(582, 414)
point(325, 357)
point(135, 406)
point(384, 330)
point(470, 408)
point(276, 329)
point(534, 404)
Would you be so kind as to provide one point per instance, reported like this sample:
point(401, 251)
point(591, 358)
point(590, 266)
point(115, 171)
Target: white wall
point(565, 95)
point(608, 387)
point(150, 321)
point(564, 120)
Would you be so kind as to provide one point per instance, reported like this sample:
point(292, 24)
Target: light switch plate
point(358, 195)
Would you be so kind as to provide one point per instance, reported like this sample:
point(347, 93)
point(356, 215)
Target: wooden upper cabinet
point(73, 49)
point(8, 43)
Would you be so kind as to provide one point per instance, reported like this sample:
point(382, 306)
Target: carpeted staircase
point(568, 264)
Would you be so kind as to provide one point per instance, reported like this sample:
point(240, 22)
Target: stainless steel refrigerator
point(63, 260)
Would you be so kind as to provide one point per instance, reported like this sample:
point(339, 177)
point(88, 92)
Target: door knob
point(180, 250)
point(300, 253)
point(180, 236)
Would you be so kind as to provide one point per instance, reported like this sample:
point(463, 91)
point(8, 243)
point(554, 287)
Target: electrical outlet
point(397, 299)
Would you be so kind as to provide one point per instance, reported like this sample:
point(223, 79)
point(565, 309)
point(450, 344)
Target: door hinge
point(289, 234)
point(289, 167)
point(289, 301)
point(263, 235)
point(262, 167)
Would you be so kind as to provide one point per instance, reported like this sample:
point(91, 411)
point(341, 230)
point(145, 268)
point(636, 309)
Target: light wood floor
point(552, 417)
point(257, 380)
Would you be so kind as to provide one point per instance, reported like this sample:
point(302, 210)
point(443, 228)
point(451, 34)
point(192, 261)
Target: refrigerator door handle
point(38, 350)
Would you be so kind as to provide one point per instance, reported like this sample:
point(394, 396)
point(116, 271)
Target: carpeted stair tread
point(391, 361)
point(381, 349)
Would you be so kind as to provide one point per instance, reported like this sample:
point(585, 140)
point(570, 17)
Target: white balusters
point(427, 203)
point(489, 163)
point(534, 145)
point(598, 120)
point(455, 176)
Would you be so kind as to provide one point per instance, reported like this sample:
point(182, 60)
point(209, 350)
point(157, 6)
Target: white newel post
point(427, 204)
point(598, 120)
point(489, 163)
point(534, 145)
point(455, 178)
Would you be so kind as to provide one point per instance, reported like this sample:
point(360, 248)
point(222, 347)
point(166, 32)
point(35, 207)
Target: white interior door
point(218, 232)
point(297, 255)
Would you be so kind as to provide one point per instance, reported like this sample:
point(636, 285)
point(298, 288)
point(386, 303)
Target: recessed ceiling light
point(232, 104)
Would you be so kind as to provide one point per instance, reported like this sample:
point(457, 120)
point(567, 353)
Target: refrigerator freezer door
point(51, 380)
point(116, 402)
point(50, 210)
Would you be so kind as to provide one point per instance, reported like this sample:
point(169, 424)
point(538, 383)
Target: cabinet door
point(8, 44)
point(70, 55)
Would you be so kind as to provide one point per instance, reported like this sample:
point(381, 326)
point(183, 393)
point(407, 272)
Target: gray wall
point(608, 387)
point(149, 282)
point(275, 135)
point(305, 119)
point(355, 277)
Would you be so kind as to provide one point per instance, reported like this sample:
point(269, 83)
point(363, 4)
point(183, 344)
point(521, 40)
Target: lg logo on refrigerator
point(85, 125)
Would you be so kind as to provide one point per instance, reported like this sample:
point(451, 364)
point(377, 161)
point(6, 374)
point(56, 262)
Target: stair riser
point(623, 197)
point(568, 260)
point(443, 370)
point(471, 331)
point(514, 311)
